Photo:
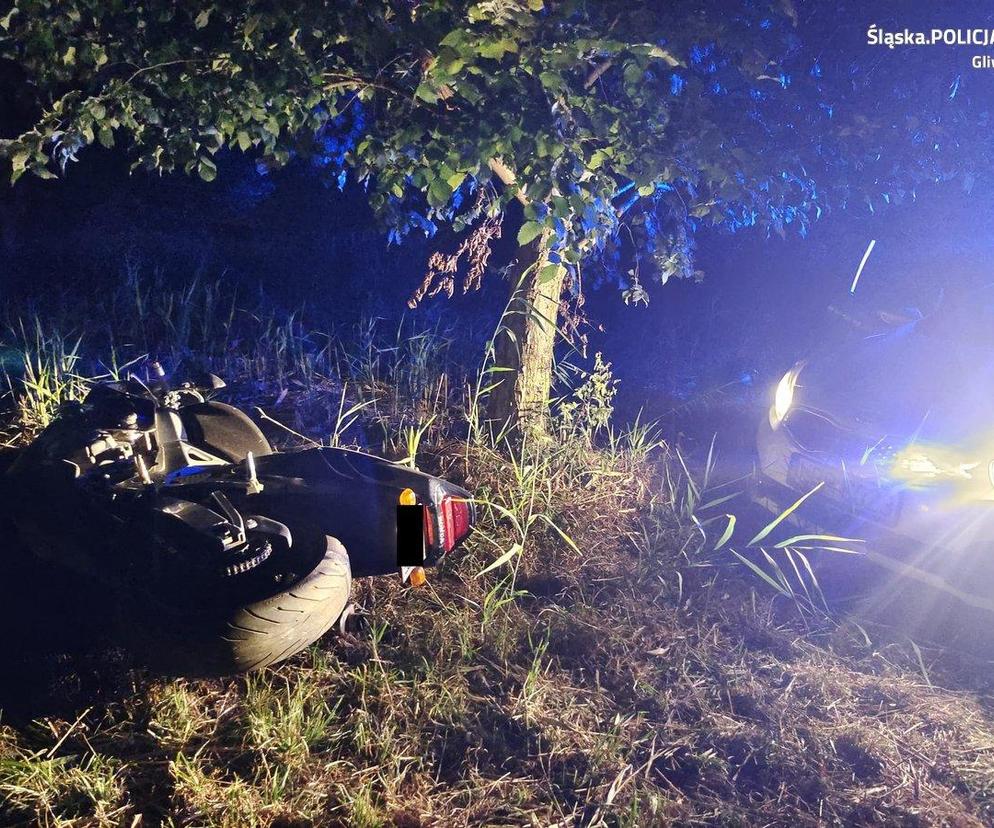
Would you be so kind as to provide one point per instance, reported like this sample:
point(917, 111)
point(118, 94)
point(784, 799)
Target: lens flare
point(919, 466)
point(783, 398)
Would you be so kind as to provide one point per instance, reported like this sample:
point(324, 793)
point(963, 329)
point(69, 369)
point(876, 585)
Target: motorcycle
point(224, 555)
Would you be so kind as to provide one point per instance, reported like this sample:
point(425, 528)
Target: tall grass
point(782, 563)
point(48, 374)
point(400, 378)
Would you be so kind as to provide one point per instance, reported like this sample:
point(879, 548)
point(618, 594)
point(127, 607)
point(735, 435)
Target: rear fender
point(349, 495)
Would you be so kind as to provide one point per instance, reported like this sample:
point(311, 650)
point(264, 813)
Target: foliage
point(654, 117)
point(588, 409)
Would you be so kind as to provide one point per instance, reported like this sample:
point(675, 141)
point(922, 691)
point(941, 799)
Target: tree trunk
point(524, 345)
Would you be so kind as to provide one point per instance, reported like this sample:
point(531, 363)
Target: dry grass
point(599, 676)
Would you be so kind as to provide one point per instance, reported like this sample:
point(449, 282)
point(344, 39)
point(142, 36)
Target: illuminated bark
point(525, 344)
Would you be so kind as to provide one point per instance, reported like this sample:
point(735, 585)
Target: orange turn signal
point(408, 498)
point(417, 577)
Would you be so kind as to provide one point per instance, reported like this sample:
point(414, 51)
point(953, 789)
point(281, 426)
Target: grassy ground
point(598, 654)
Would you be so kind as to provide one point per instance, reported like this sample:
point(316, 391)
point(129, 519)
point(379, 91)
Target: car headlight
point(783, 398)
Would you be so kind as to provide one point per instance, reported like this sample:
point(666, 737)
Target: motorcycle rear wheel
point(249, 637)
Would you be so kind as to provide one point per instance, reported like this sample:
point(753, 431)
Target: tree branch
point(596, 73)
point(504, 173)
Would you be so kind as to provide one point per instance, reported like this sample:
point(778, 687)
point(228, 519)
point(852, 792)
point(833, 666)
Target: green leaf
point(444, 171)
point(426, 92)
point(19, 160)
point(244, 140)
point(717, 501)
point(552, 81)
point(69, 58)
point(794, 541)
point(529, 231)
point(549, 272)
point(203, 18)
point(106, 137)
point(598, 158)
point(438, 192)
point(786, 513)
point(496, 49)
point(560, 207)
point(666, 55)
point(453, 38)
point(207, 169)
point(503, 559)
point(566, 538)
point(760, 573)
point(727, 534)
point(454, 66)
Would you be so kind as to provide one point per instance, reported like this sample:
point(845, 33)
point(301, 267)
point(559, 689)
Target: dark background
point(764, 300)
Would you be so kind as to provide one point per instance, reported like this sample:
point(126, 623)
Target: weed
point(57, 790)
point(587, 410)
point(180, 716)
point(48, 377)
point(287, 718)
point(222, 803)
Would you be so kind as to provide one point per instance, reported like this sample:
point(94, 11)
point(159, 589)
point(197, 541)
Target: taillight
point(429, 528)
point(456, 521)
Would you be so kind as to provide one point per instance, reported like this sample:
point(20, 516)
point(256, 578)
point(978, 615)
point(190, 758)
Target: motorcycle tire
point(248, 637)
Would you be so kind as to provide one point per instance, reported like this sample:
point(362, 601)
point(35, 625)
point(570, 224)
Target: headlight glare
point(920, 466)
point(783, 398)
